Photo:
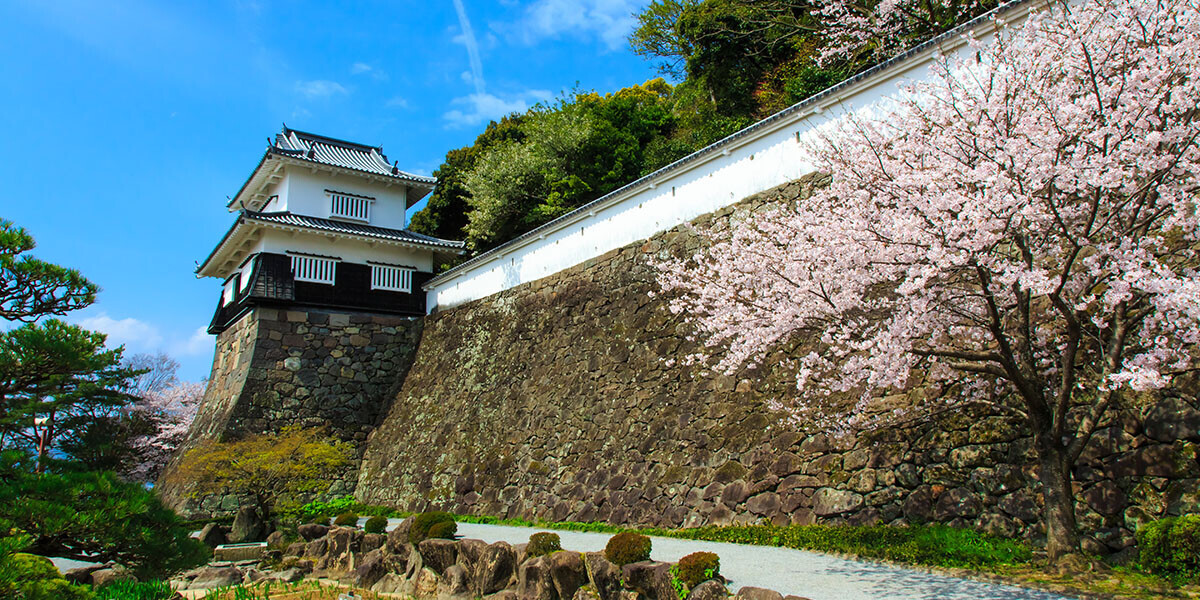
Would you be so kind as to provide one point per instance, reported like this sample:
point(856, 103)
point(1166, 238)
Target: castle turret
point(321, 223)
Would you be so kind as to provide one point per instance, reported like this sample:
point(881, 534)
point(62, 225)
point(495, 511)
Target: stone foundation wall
point(275, 368)
point(555, 400)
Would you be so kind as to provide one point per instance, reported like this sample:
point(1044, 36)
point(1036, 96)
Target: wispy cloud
point(320, 88)
point(397, 102)
point(610, 21)
point(362, 68)
point(468, 39)
point(139, 336)
point(480, 108)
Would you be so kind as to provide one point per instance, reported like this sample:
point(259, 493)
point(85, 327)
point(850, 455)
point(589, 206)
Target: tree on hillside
point(266, 467)
point(445, 214)
point(31, 288)
point(568, 154)
point(1022, 229)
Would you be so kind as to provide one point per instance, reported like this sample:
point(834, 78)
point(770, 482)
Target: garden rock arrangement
point(448, 569)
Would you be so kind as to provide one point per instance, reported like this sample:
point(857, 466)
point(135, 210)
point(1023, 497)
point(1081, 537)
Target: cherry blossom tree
point(171, 409)
point(1021, 228)
point(884, 28)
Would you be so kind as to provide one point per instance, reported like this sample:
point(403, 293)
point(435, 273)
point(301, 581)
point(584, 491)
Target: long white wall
point(753, 161)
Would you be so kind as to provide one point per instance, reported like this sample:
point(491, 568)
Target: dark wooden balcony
point(273, 284)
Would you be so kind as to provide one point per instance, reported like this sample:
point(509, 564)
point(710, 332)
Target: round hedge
point(423, 524)
point(699, 567)
point(543, 543)
point(443, 530)
point(346, 519)
point(627, 547)
point(376, 524)
point(1171, 547)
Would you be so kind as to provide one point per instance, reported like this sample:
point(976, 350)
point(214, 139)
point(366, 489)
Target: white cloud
point(468, 39)
point(135, 335)
point(362, 68)
point(610, 21)
point(141, 337)
point(479, 108)
point(320, 88)
point(397, 102)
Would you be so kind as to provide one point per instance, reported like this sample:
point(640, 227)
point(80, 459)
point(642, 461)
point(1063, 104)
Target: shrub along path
point(788, 571)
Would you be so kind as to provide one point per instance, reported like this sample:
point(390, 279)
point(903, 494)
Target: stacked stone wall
point(274, 368)
point(559, 399)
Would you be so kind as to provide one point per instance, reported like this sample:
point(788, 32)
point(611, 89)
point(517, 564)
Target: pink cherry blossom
point(1023, 224)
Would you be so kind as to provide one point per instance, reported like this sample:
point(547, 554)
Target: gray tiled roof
point(339, 153)
point(330, 225)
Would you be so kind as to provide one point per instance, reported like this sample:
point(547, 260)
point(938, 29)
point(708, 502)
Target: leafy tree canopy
point(31, 288)
point(93, 517)
point(265, 466)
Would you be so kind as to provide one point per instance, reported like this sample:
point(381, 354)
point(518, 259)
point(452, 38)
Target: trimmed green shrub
point(443, 530)
point(346, 519)
point(32, 577)
point(1171, 547)
point(627, 547)
point(424, 522)
point(376, 524)
point(699, 567)
point(543, 543)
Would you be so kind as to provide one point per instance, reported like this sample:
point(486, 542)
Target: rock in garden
point(312, 531)
point(831, 501)
point(212, 535)
point(438, 554)
point(211, 577)
point(108, 575)
point(534, 582)
point(604, 575)
point(454, 582)
point(469, 553)
point(371, 541)
point(567, 572)
point(81, 575)
point(708, 590)
point(495, 568)
point(649, 578)
point(248, 526)
point(757, 593)
point(275, 539)
point(370, 569)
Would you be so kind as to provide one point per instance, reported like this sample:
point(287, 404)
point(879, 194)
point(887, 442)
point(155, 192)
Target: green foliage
point(318, 511)
point(134, 590)
point(265, 466)
point(346, 519)
point(543, 543)
point(681, 588)
point(423, 524)
point(30, 577)
point(96, 517)
point(54, 379)
point(627, 547)
point(31, 288)
point(698, 567)
point(1171, 548)
point(376, 524)
point(444, 530)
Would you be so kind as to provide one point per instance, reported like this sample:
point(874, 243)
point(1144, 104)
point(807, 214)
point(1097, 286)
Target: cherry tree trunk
point(1058, 511)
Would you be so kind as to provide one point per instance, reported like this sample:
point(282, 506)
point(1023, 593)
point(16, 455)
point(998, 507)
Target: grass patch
point(273, 590)
point(135, 590)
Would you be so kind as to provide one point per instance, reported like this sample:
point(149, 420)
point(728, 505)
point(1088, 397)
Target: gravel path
point(808, 574)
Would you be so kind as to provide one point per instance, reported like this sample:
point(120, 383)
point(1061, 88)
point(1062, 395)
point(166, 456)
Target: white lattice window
point(244, 278)
point(394, 279)
point(314, 269)
point(227, 294)
point(347, 206)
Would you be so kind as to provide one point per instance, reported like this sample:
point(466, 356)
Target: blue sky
point(125, 124)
